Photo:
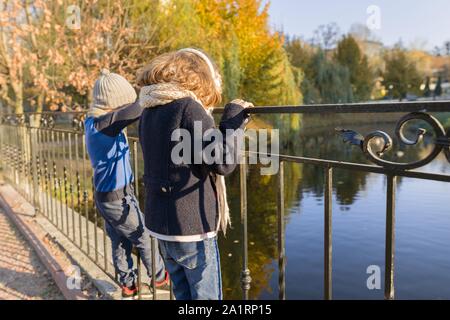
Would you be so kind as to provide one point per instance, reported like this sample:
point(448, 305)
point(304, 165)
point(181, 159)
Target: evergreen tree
point(325, 81)
point(427, 90)
point(438, 89)
point(267, 77)
point(232, 71)
point(349, 54)
point(311, 95)
point(332, 80)
point(300, 56)
point(298, 52)
point(401, 74)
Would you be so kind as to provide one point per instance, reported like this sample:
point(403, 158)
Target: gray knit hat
point(111, 91)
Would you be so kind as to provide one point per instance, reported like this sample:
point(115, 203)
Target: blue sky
point(414, 21)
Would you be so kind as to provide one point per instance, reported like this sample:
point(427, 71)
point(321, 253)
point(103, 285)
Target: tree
point(332, 80)
point(447, 48)
point(43, 61)
point(401, 74)
point(348, 54)
point(232, 71)
point(299, 52)
point(106, 39)
point(362, 33)
point(300, 56)
point(250, 55)
point(437, 51)
point(326, 36)
point(267, 77)
point(14, 29)
point(311, 95)
point(438, 89)
point(30, 54)
point(325, 80)
point(427, 90)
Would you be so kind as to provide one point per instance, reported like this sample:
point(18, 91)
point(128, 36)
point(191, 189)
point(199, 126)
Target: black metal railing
point(49, 166)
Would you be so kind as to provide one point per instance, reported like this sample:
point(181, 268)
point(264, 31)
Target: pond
point(422, 258)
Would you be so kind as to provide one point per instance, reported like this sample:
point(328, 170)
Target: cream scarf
point(164, 93)
point(96, 111)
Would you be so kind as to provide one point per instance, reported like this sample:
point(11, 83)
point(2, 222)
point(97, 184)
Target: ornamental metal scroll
point(78, 122)
point(47, 121)
point(14, 119)
point(21, 120)
point(441, 143)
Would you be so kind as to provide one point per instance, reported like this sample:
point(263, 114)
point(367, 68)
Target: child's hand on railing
point(243, 103)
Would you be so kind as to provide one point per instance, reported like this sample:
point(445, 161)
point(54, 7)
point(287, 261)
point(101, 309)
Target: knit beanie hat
point(110, 92)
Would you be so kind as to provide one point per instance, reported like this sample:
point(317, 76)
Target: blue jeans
point(194, 269)
point(124, 224)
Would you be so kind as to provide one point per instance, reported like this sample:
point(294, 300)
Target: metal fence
point(49, 166)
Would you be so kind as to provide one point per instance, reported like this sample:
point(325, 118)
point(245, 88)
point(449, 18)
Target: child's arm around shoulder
point(115, 121)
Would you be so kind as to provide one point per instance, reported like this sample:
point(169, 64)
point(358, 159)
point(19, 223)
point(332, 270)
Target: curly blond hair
point(188, 71)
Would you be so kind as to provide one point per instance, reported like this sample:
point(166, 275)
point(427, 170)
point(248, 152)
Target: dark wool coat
point(181, 199)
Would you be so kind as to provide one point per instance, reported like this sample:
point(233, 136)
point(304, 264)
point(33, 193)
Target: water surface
point(422, 256)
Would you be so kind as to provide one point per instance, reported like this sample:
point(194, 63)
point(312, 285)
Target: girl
point(186, 203)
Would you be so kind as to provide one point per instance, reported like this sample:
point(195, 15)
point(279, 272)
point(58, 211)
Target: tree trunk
point(18, 102)
point(35, 120)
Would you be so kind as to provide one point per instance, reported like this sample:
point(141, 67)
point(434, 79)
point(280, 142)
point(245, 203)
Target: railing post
point(153, 247)
point(139, 274)
point(390, 237)
point(55, 181)
point(78, 189)
point(51, 176)
point(18, 157)
point(33, 141)
point(328, 252)
point(85, 196)
point(245, 273)
point(95, 222)
point(281, 235)
point(46, 173)
point(138, 256)
point(71, 186)
point(39, 171)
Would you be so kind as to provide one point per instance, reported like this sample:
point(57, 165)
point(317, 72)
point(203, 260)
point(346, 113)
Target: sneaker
point(164, 284)
point(129, 292)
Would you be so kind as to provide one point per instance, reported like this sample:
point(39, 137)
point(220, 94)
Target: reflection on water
point(422, 227)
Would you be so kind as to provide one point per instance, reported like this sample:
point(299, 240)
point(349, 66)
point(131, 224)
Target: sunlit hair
point(186, 69)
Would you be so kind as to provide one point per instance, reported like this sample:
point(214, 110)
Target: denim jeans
point(124, 223)
point(194, 269)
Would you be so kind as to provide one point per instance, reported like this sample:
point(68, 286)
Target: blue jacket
point(108, 148)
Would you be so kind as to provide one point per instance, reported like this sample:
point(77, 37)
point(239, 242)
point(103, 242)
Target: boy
point(114, 107)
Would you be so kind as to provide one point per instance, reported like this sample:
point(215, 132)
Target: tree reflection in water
point(318, 140)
